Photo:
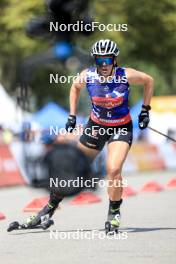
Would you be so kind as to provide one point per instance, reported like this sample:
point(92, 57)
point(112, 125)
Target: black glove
point(71, 123)
point(143, 119)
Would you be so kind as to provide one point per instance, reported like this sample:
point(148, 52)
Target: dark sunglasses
point(104, 61)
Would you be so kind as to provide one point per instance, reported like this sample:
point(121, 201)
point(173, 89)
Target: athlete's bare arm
point(141, 78)
point(78, 84)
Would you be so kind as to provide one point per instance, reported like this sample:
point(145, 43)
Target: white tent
point(11, 115)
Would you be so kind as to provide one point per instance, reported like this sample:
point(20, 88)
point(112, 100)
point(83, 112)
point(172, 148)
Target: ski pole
point(174, 140)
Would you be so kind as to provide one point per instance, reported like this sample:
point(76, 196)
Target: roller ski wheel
point(13, 226)
point(47, 224)
point(17, 226)
point(111, 229)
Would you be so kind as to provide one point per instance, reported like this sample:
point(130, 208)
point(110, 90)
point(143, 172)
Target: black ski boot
point(46, 213)
point(113, 221)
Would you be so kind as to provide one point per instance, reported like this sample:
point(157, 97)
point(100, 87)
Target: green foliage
point(45, 91)
point(14, 15)
point(15, 45)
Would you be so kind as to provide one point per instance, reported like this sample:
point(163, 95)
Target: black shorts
point(95, 136)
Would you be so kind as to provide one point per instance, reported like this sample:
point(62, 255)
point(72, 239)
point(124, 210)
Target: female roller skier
point(110, 122)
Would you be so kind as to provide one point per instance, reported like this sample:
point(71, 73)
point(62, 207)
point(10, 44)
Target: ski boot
point(113, 222)
point(46, 213)
point(42, 217)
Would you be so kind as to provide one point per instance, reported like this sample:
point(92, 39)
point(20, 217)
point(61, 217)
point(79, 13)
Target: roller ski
point(40, 221)
point(17, 226)
point(113, 222)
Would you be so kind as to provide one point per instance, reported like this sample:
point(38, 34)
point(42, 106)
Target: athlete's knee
point(114, 173)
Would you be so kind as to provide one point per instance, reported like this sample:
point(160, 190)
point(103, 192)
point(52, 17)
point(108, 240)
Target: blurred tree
point(152, 34)
point(15, 45)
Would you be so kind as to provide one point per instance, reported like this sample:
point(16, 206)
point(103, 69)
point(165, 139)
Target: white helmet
point(105, 47)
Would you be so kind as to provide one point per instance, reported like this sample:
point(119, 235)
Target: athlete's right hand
point(71, 123)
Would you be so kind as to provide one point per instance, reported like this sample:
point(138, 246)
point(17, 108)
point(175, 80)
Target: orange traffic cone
point(152, 187)
point(36, 204)
point(2, 216)
point(128, 191)
point(85, 198)
point(171, 183)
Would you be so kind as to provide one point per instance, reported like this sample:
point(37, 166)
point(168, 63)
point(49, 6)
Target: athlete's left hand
point(143, 119)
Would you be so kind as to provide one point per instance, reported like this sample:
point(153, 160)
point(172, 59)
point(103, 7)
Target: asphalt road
point(147, 234)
